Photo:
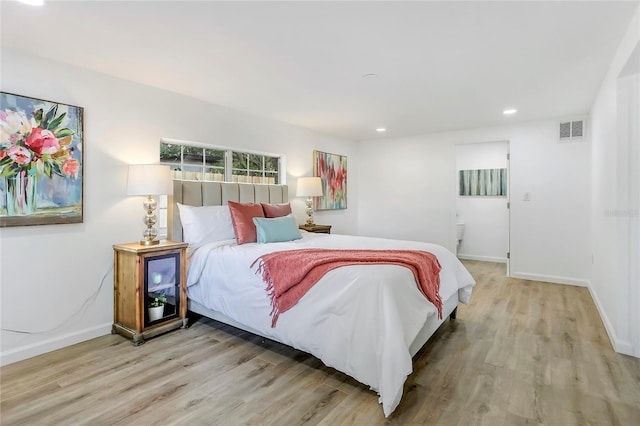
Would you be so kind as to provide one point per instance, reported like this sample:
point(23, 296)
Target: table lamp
point(149, 180)
point(309, 187)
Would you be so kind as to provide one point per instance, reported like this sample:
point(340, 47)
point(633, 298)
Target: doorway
point(482, 202)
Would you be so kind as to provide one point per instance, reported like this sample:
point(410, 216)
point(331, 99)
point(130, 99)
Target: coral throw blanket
point(290, 274)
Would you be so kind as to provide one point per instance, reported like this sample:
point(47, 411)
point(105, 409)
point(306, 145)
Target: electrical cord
point(80, 310)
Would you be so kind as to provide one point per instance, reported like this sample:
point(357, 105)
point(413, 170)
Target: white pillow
point(205, 224)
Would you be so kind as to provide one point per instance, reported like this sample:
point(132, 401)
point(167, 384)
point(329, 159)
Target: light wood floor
point(522, 352)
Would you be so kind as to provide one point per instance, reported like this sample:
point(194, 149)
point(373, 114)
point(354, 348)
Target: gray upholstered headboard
point(196, 193)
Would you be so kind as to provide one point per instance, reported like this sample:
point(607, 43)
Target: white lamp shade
point(309, 187)
point(149, 179)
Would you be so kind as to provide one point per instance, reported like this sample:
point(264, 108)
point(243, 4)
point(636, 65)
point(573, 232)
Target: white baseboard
point(620, 346)
point(482, 258)
point(34, 349)
point(551, 279)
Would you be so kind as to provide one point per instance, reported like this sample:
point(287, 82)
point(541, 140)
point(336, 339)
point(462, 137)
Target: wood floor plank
point(521, 353)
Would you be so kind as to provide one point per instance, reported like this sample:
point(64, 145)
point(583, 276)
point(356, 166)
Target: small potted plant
point(156, 308)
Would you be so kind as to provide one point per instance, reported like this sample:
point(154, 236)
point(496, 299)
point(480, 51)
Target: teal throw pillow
point(276, 230)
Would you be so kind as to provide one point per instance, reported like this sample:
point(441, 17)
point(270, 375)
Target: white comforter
point(360, 320)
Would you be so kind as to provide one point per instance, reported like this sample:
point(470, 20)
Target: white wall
point(47, 272)
point(407, 189)
point(615, 192)
point(486, 219)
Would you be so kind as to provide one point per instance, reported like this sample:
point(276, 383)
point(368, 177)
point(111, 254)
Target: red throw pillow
point(276, 210)
point(242, 215)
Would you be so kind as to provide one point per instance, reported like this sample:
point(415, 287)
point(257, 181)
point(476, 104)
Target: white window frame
point(228, 164)
point(281, 176)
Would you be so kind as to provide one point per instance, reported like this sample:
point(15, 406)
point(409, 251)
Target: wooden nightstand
point(141, 274)
point(318, 229)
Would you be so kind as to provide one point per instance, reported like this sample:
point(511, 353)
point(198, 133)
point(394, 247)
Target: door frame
point(508, 198)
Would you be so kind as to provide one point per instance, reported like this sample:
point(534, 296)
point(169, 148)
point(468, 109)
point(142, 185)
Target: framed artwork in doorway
point(483, 183)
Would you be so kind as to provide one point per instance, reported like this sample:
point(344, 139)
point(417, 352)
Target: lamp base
point(149, 219)
point(309, 204)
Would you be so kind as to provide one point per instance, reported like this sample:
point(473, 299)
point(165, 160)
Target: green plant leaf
point(47, 169)
point(49, 116)
point(61, 133)
point(38, 116)
point(56, 122)
point(10, 170)
point(57, 169)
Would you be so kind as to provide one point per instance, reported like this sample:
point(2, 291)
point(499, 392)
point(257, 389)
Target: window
point(193, 161)
point(254, 168)
point(205, 163)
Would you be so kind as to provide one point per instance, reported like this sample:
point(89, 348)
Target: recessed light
point(381, 129)
point(370, 76)
point(509, 111)
point(32, 2)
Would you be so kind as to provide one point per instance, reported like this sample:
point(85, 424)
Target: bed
point(366, 321)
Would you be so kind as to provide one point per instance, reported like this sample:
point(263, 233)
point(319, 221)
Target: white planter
point(156, 313)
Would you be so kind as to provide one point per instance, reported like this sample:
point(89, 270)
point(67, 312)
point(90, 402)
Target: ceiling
point(439, 65)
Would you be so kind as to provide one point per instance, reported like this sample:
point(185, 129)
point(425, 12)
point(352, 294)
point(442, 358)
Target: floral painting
point(332, 170)
point(41, 162)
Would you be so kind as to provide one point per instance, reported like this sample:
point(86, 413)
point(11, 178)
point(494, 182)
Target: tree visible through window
point(254, 168)
point(193, 162)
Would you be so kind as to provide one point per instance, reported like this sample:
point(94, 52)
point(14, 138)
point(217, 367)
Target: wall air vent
point(571, 131)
